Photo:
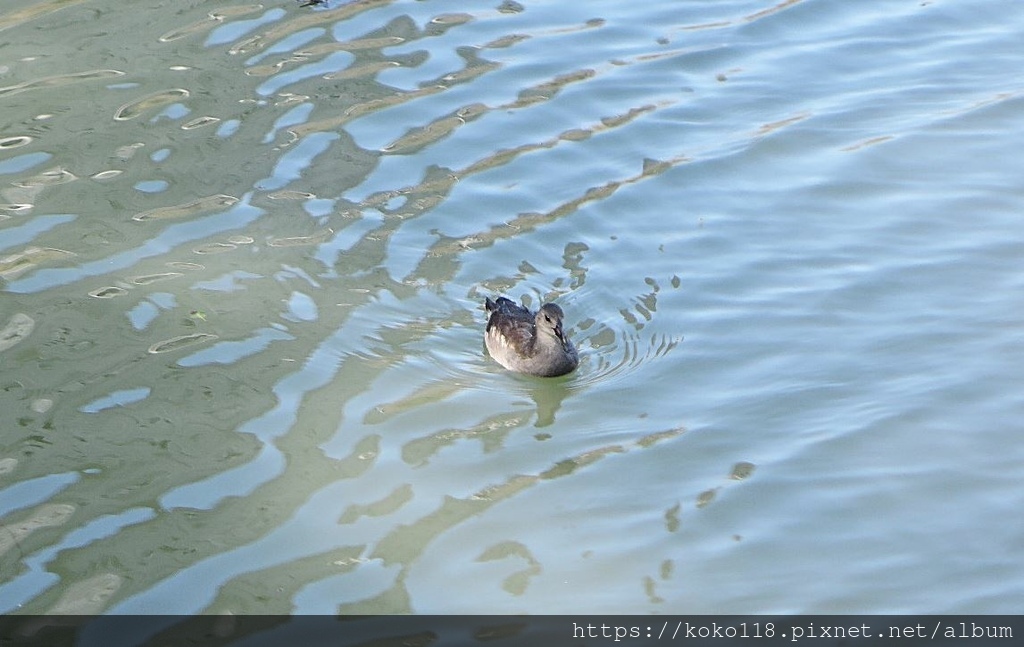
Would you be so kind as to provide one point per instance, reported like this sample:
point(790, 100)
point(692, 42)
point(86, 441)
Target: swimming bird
point(525, 342)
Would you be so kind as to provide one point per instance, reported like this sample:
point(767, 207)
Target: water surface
point(243, 255)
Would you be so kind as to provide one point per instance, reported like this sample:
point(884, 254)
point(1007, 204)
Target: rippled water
point(244, 249)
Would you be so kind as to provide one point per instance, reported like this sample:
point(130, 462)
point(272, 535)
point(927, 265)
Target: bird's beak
point(561, 335)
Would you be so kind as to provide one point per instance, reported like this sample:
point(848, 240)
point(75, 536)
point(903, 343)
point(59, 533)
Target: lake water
point(243, 255)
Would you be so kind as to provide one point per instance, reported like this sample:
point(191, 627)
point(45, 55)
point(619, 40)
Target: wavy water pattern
point(244, 257)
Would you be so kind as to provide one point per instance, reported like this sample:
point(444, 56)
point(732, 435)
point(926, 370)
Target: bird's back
point(510, 329)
